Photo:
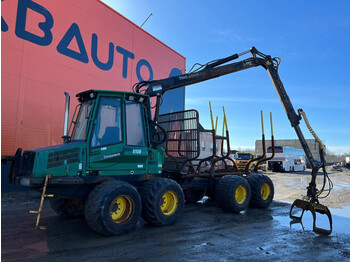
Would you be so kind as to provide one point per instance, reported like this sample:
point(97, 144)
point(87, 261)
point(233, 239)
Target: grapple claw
point(314, 208)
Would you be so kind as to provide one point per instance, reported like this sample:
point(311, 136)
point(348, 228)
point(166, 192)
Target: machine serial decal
point(157, 88)
point(246, 64)
point(111, 156)
point(188, 76)
point(136, 151)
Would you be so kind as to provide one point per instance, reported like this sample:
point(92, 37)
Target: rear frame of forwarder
point(118, 162)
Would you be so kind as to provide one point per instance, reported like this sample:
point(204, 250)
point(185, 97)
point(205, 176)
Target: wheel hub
point(169, 203)
point(241, 195)
point(121, 209)
point(265, 191)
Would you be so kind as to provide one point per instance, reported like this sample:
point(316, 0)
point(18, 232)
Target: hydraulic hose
point(301, 112)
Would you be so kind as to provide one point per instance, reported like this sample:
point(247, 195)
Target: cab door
point(136, 150)
point(117, 140)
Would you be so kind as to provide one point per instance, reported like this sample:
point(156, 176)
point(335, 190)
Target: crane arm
point(219, 68)
point(157, 88)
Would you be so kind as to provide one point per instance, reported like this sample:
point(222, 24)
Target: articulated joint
point(312, 193)
point(294, 120)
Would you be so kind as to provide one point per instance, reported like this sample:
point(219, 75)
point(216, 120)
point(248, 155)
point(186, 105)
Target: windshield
point(107, 126)
point(79, 131)
point(243, 156)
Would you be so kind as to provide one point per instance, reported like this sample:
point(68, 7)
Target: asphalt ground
point(204, 232)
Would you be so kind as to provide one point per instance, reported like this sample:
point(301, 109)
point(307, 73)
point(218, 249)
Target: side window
point(107, 129)
point(81, 121)
point(135, 135)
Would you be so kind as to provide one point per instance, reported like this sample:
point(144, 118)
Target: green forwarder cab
point(109, 137)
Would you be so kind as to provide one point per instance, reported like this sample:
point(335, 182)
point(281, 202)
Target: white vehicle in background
point(286, 159)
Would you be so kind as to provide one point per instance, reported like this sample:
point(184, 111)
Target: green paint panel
point(106, 144)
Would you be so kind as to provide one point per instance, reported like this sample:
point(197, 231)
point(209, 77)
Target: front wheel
point(162, 201)
point(113, 208)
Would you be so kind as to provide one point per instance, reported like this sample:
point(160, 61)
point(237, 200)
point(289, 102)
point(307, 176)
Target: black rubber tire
point(256, 181)
point(68, 208)
point(99, 202)
point(194, 195)
point(152, 200)
point(226, 191)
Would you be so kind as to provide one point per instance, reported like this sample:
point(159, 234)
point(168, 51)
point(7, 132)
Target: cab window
point(107, 129)
point(135, 135)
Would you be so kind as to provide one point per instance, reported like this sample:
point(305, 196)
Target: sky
point(311, 37)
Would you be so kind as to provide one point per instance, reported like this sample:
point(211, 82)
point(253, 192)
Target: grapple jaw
point(313, 207)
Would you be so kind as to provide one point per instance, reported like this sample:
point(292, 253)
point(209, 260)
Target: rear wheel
point(233, 193)
point(162, 201)
point(262, 190)
point(113, 208)
point(68, 207)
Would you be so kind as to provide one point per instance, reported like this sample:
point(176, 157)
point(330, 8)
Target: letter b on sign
point(23, 6)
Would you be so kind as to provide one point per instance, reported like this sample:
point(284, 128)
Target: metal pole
point(66, 118)
point(146, 20)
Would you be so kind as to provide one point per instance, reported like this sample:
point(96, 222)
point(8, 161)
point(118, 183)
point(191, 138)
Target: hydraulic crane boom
point(212, 70)
point(217, 68)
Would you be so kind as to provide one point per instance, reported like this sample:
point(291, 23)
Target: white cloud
point(339, 149)
point(230, 35)
point(242, 147)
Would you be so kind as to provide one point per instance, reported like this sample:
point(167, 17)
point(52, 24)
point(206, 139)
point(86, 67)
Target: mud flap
point(314, 208)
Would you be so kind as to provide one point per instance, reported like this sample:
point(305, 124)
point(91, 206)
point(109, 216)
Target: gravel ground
point(290, 186)
point(204, 232)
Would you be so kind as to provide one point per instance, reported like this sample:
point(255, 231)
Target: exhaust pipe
point(66, 119)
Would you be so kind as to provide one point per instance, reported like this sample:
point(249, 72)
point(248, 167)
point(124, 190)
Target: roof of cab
point(108, 92)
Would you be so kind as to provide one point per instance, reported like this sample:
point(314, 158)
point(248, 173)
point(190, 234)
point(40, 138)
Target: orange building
point(49, 47)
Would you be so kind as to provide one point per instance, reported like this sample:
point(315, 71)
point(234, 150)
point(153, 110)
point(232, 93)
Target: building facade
point(57, 46)
point(312, 143)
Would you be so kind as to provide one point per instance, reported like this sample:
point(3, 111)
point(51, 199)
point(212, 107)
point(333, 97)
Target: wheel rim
point(122, 209)
point(265, 191)
point(169, 203)
point(241, 195)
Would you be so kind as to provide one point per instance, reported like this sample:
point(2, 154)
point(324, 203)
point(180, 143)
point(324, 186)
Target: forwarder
point(119, 161)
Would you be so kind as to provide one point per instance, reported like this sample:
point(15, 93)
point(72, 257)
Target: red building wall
point(48, 47)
